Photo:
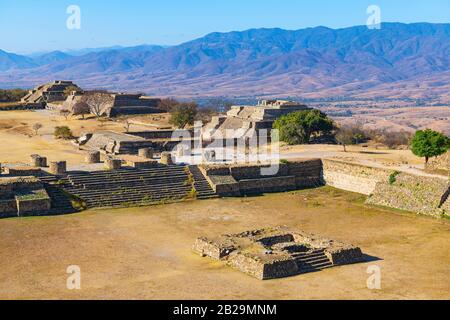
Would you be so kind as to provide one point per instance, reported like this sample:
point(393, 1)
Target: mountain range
point(398, 61)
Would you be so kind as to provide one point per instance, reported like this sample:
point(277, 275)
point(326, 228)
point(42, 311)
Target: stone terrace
point(136, 187)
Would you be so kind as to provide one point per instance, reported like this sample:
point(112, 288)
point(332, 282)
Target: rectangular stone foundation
point(277, 252)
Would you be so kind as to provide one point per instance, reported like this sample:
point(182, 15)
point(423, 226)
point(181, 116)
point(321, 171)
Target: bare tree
point(350, 135)
point(98, 102)
point(36, 128)
point(65, 113)
point(126, 124)
point(81, 108)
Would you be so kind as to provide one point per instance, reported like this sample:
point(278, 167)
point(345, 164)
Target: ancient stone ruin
point(116, 104)
point(49, 92)
point(23, 196)
point(239, 180)
point(115, 143)
point(246, 121)
point(441, 162)
point(277, 252)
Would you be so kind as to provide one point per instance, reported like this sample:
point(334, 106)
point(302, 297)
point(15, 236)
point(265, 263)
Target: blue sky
point(30, 25)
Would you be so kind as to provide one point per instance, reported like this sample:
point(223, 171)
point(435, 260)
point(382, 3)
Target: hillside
point(398, 61)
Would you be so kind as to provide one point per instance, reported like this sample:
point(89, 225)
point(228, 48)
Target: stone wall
point(8, 208)
point(160, 134)
point(308, 173)
point(213, 249)
point(352, 177)
point(247, 265)
point(441, 163)
point(33, 207)
point(423, 195)
point(226, 186)
point(234, 180)
point(22, 107)
point(267, 185)
point(23, 171)
point(419, 194)
point(344, 255)
point(23, 196)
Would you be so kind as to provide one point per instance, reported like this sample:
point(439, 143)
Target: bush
point(393, 177)
point(63, 132)
point(12, 95)
point(184, 115)
point(350, 135)
point(298, 127)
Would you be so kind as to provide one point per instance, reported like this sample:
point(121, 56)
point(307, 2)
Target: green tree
point(63, 132)
point(184, 115)
point(298, 127)
point(428, 143)
point(12, 95)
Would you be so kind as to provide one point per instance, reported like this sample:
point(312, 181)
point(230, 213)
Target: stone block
point(93, 157)
point(113, 164)
point(58, 167)
point(146, 153)
point(166, 158)
point(38, 161)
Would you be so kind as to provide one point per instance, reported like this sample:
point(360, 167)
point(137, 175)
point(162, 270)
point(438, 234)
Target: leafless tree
point(350, 135)
point(126, 124)
point(81, 108)
point(36, 128)
point(97, 102)
point(65, 113)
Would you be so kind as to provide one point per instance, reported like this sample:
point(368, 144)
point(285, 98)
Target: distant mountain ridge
point(400, 60)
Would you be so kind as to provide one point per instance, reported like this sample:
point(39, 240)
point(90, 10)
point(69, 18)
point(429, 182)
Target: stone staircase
point(202, 186)
point(312, 261)
point(131, 187)
point(61, 204)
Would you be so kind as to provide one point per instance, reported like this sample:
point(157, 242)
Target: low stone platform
point(277, 252)
point(23, 196)
point(240, 180)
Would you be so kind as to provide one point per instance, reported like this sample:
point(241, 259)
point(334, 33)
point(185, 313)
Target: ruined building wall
point(238, 180)
point(352, 177)
point(423, 195)
point(441, 163)
point(419, 194)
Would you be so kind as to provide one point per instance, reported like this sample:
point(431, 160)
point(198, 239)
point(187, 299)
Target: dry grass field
point(19, 141)
point(145, 253)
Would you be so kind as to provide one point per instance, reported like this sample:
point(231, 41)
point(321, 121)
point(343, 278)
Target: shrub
point(63, 132)
point(393, 177)
point(350, 135)
point(184, 115)
point(36, 128)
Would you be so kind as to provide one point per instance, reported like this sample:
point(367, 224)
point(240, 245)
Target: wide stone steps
point(60, 203)
point(132, 182)
point(202, 186)
point(134, 187)
point(315, 261)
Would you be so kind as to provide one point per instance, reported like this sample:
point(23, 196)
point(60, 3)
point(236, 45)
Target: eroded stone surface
point(277, 252)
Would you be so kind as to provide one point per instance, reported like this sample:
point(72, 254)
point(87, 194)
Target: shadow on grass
point(372, 152)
